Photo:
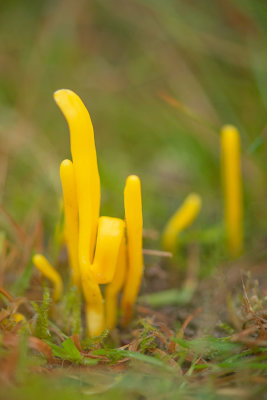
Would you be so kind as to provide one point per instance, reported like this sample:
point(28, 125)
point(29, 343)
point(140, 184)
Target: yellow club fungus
point(134, 231)
point(85, 169)
point(183, 217)
point(71, 217)
point(50, 273)
point(18, 317)
point(101, 251)
point(232, 185)
point(109, 238)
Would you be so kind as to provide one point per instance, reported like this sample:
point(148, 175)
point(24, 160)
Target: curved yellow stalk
point(232, 183)
point(113, 289)
point(182, 218)
point(50, 273)
point(85, 168)
point(109, 237)
point(71, 217)
point(134, 230)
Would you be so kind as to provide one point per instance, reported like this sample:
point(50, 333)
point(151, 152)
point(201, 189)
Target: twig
point(157, 253)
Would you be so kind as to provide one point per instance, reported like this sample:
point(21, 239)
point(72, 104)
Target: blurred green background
point(125, 59)
point(159, 78)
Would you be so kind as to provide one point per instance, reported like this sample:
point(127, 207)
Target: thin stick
point(157, 253)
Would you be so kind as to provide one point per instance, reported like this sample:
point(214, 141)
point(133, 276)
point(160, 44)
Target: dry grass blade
point(180, 334)
point(8, 366)
point(4, 314)
point(39, 345)
point(76, 340)
point(19, 232)
point(149, 312)
point(249, 309)
point(6, 294)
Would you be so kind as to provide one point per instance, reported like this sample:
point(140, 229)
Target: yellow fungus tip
point(182, 218)
point(69, 102)
point(50, 273)
point(60, 93)
point(230, 136)
point(229, 128)
point(133, 178)
point(194, 198)
point(65, 163)
point(37, 259)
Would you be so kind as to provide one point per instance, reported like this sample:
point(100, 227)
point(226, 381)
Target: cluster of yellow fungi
point(102, 250)
point(108, 251)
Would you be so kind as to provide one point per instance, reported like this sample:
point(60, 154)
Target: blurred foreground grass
point(128, 60)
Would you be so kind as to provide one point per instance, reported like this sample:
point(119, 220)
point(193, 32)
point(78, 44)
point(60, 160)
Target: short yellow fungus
point(183, 217)
point(50, 273)
point(18, 317)
point(134, 231)
point(232, 185)
point(109, 238)
point(71, 217)
point(113, 289)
